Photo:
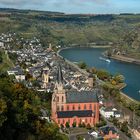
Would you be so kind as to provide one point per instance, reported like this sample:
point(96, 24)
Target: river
point(92, 57)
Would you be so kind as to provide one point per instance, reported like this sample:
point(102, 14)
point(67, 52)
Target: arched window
point(58, 108)
point(62, 99)
point(90, 120)
point(73, 107)
point(57, 99)
point(85, 107)
point(67, 107)
point(79, 107)
point(90, 106)
point(62, 108)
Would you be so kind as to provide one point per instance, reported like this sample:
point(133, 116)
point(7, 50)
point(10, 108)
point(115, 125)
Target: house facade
point(110, 112)
point(73, 107)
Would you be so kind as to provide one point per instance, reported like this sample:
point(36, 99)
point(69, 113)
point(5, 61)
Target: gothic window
point(57, 99)
point(90, 106)
point(62, 99)
point(67, 107)
point(73, 107)
point(62, 108)
point(79, 107)
point(85, 107)
point(90, 120)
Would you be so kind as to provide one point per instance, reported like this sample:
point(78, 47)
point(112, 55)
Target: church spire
point(59, 75)
point(59, 80)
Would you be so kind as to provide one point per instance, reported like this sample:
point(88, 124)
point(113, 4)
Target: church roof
point(81, 97)
point(70, 114)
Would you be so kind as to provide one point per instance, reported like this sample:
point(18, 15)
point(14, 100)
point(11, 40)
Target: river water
point(92, 57)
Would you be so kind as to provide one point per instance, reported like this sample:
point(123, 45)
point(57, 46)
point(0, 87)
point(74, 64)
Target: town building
point(108, 112)
point(18, 73)
point(73, 107)
point(109, 133)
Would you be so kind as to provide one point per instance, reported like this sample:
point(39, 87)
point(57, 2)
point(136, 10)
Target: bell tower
point(58, 97)
point(45, 77)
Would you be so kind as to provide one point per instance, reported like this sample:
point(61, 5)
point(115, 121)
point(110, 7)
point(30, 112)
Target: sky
point(76, 6)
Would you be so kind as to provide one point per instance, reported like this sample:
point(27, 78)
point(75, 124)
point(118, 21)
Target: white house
point(1, 44)
point(17, 72)
point(12, 71)
point(109, 111)
point(20, 76)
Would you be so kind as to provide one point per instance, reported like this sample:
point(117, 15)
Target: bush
point(67, 125)
point(74, 124)
point(82, 65)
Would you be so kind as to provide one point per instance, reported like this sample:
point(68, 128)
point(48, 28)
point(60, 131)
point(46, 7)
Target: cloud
point(20, 2)
point(53, 2)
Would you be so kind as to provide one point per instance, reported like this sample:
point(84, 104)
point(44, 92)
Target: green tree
point(74, 124)
point(82, 65)
point(67, 125)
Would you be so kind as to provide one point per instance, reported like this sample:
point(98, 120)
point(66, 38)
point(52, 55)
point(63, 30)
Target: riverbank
point(125, 59)
point(127, 98)
point(94, 46)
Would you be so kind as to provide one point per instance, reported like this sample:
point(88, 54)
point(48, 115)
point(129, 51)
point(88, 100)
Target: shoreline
point(126, 59)
point(94, 46)
point(122, 58)
point(84, 72)
point(130, 99)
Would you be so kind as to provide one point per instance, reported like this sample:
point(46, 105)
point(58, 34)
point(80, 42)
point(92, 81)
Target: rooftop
point(70, 114)
point(106, 130)
point(81, 97)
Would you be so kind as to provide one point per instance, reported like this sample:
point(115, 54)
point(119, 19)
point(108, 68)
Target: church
point(73, 107)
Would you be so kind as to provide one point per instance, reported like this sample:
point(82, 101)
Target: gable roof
point(107, 129)
point(81, 97)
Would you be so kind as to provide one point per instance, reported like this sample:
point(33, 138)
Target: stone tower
point(58, 97)
point(45, 77)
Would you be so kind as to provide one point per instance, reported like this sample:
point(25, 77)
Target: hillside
point(64, 29)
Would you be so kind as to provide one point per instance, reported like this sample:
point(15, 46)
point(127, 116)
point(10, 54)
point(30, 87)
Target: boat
point(107, 60)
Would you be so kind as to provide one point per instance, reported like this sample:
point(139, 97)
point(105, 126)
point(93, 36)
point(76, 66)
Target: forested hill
point(60, 28)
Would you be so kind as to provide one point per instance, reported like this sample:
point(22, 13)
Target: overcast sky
point(76, 6)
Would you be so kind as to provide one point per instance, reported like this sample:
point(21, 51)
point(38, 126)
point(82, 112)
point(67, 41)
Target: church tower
point(45, 77)
point(58, 97)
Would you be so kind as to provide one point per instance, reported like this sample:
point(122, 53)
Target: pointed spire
point(59, 75)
